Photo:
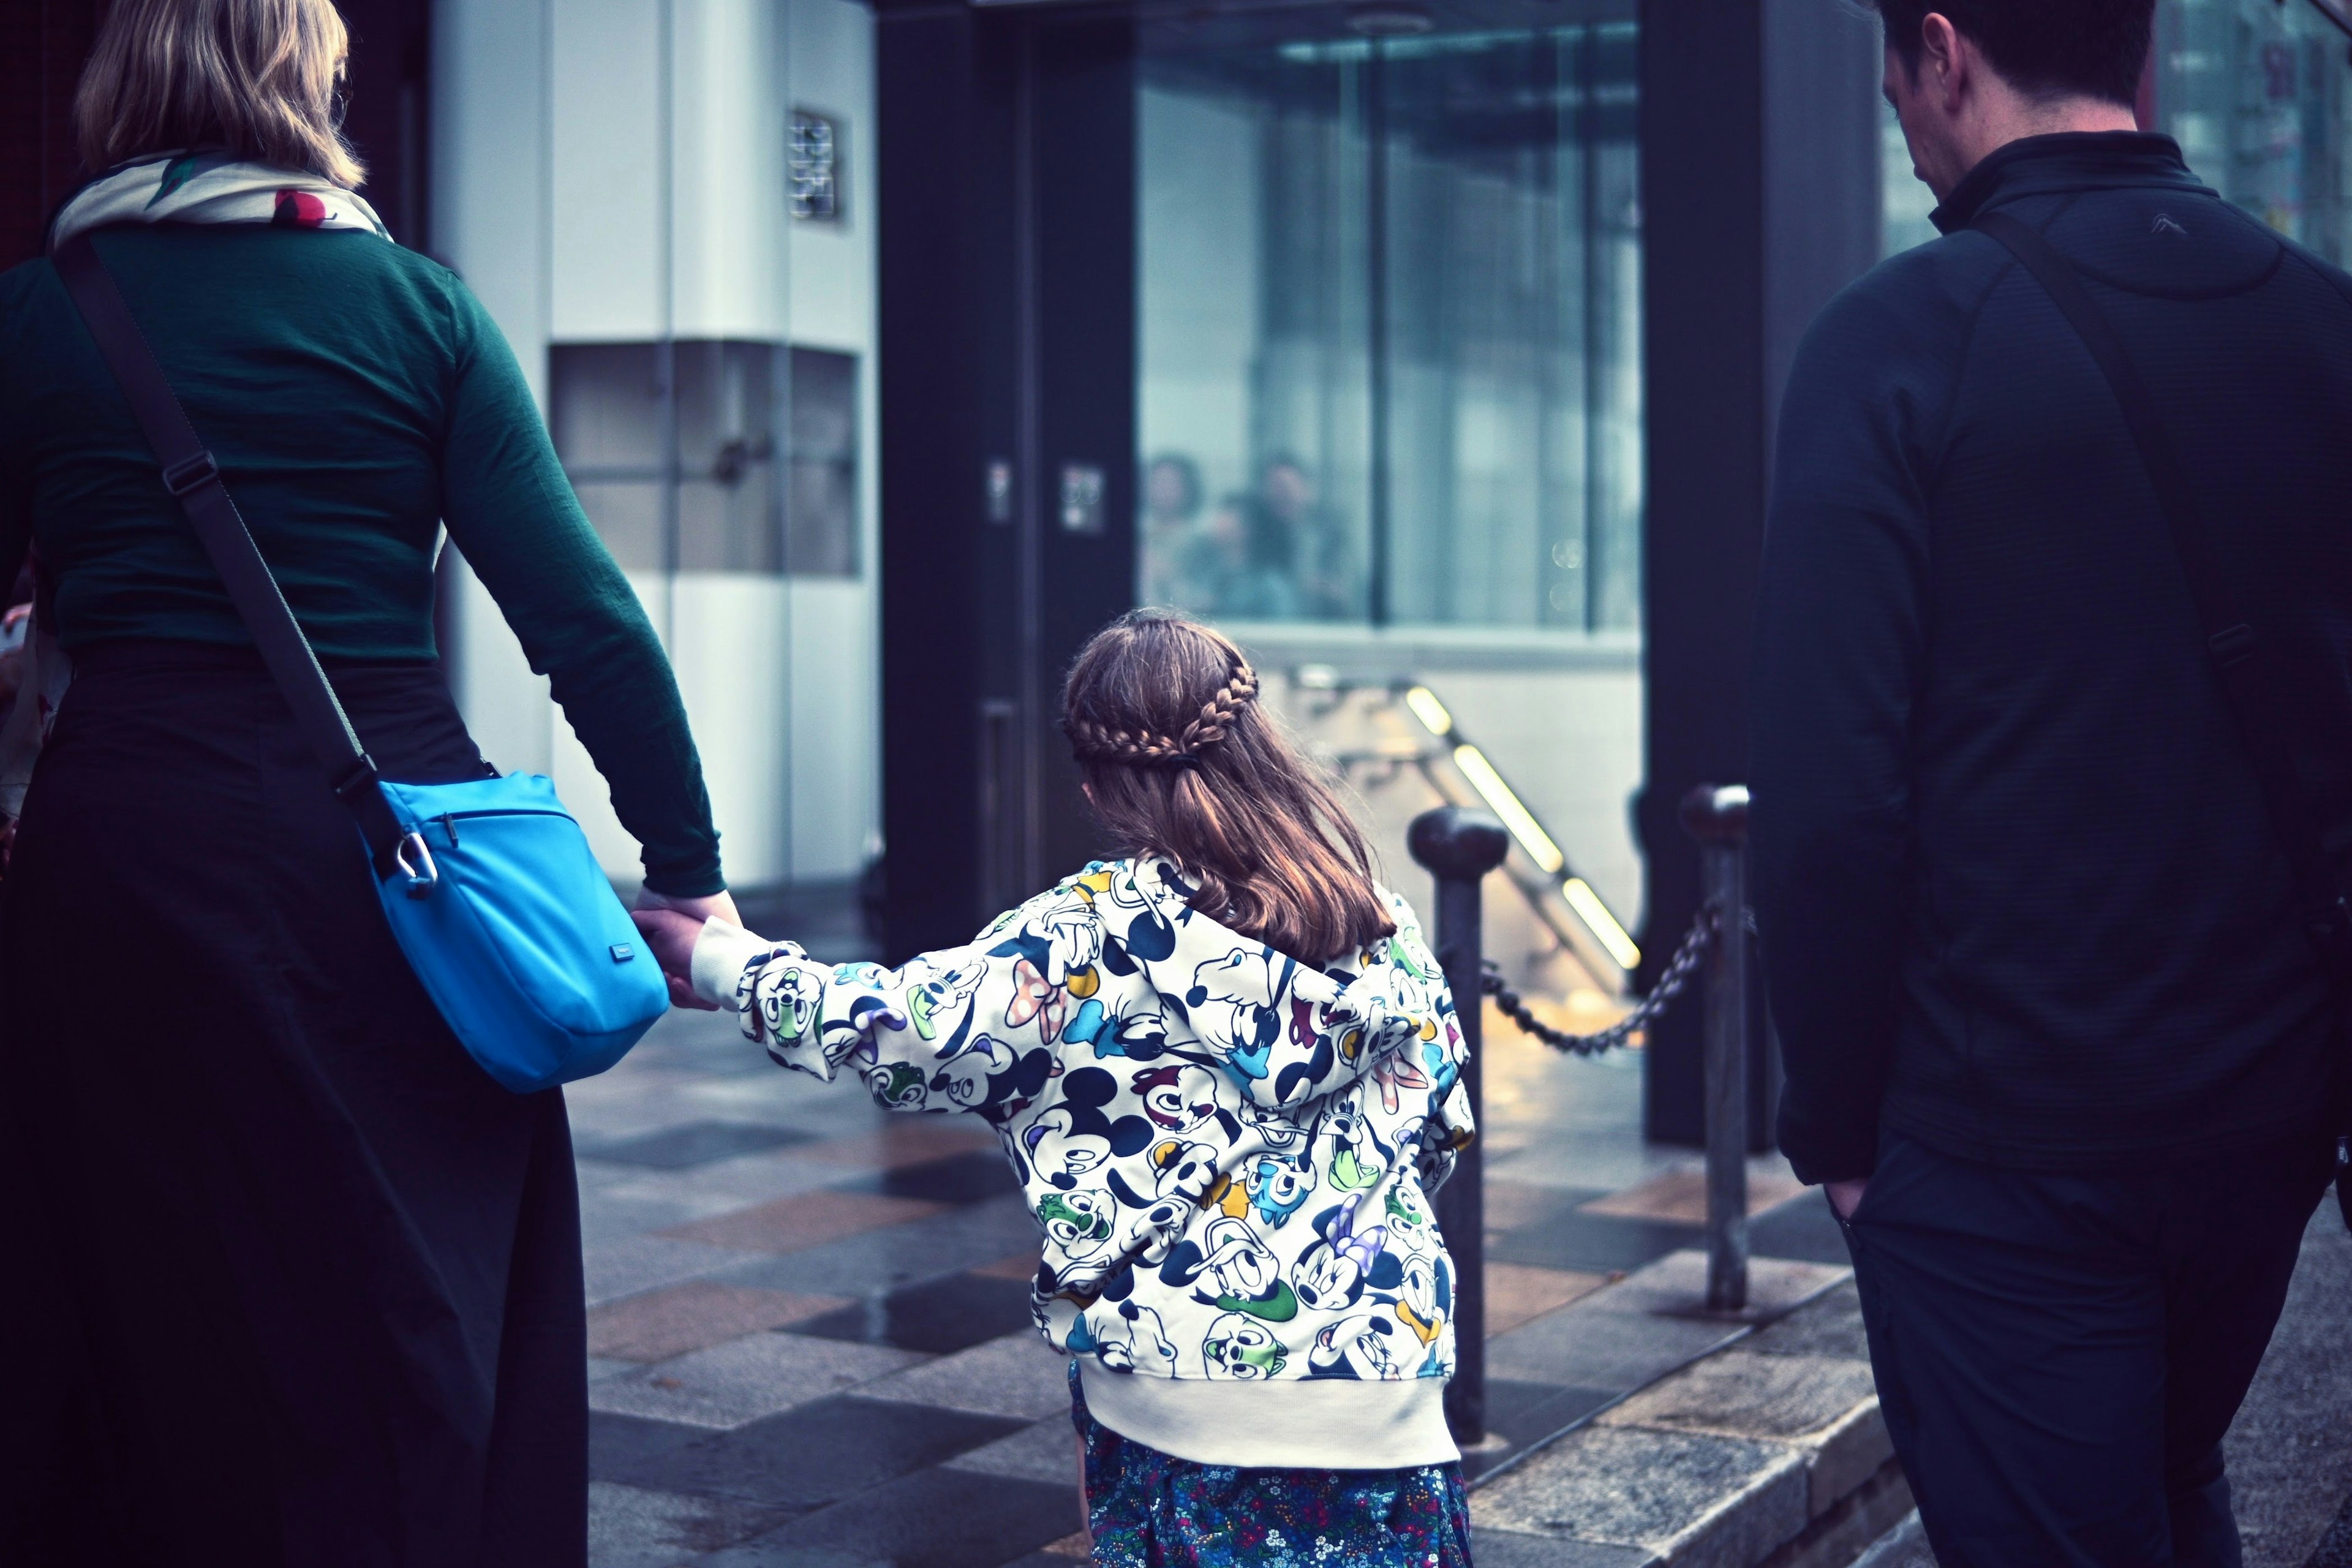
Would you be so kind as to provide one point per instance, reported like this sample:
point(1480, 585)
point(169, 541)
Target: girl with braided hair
point(1224, 1070)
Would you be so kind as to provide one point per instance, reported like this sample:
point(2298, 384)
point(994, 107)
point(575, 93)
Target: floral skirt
point(1150, 1509)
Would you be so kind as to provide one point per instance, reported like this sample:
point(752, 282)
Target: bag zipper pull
point(450, 825)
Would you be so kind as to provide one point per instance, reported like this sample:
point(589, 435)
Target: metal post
point(1717, 818)
point(1459, 846)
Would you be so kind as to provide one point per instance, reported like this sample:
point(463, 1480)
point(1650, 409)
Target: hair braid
point(1218, 711)
point(1148, 747)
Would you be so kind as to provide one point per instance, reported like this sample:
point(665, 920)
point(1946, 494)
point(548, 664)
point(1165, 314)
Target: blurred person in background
point(1179, 556)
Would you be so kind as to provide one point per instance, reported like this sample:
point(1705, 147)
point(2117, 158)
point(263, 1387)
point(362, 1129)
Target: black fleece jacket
point(2017, 890)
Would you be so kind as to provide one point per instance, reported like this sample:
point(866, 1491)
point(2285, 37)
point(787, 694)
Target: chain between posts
point(1672, 982)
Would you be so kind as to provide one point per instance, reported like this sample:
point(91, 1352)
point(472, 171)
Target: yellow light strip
point(1602, 924)
point(1429, 710)
point(1523, 826)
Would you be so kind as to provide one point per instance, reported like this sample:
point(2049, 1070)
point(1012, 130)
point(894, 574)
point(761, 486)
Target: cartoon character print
point(1359, 1158)
point(1231, 1007)
point(1278, 1184)
point(898, 1086)
point(1178, 1096)
point(943, 1001)
point(1151, 1221)
point(1074, 1139)
point(1232, 1269)
point(1125, 1337)
point(1080, 1223)
point(1138, 1033)
point(788, 1009)
point(1241, 1349)
point(1175, 1187)
point(1424, 1301)
point(1348, 1259)
point(1367, 1347)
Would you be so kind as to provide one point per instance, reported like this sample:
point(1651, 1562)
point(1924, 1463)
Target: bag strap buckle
point(191, 473)
point(2231, 645)
point(424, 875)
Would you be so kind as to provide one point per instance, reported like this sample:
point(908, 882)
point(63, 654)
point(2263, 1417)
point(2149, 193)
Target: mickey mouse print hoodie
point(1228, 1151)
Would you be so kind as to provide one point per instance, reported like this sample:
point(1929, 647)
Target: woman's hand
point(1846, 1197)
point(712, 906)
point(671, 934)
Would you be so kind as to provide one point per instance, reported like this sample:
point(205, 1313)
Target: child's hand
point(672, 935)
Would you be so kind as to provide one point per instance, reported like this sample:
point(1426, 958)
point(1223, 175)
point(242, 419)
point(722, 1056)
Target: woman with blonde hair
point(300, 1284)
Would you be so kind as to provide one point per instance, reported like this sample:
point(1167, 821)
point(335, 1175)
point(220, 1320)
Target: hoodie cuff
point(720, 955)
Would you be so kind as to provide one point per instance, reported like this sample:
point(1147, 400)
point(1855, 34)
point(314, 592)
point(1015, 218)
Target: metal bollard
point(1718, 817)
point(1459, 846)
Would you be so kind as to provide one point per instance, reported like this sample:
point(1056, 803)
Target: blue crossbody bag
point(489, 885)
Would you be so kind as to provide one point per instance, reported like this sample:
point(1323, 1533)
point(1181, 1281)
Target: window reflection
point(2258, 95)
point(724, 506)
point(1390, 330)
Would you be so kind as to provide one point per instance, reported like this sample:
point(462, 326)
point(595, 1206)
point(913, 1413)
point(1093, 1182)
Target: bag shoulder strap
point(2242, 662)
point(194, 480)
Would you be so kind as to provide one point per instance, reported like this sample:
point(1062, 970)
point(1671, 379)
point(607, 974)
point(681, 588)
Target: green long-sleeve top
point(356, 395)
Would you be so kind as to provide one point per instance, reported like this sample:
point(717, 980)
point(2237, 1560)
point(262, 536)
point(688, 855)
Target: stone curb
point(1766, 1450)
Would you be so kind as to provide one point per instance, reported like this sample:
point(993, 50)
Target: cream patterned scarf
point(213, 187)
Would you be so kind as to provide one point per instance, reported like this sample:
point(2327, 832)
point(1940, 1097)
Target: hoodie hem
point(1297, 1424)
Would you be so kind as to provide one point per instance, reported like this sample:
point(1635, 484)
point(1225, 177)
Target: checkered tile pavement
point(809, 1336)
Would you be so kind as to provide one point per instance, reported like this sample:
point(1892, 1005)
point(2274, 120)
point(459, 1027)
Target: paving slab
point(1742, 1395)
point(745, 1379)
point(1518, 1293)
point(803, 1220)
point(935, 1517)
point(1687, 1497)
point(626, 1265)
point(1830, 1324)
point(632, 1527)
point(818, 1455)
point(1509, 1549)
point(679, 1318)
point(1048, 1451)
point(1676, 1285)
point(857, 1265)
point(1590, 1344)
point(1016, 1375)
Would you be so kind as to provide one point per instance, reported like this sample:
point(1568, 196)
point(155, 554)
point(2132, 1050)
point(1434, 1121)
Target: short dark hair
point(2098, 48)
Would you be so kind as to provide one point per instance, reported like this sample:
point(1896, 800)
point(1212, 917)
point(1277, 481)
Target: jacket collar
point(2070, 160)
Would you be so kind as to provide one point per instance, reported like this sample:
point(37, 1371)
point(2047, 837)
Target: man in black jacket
point(2055, 1039)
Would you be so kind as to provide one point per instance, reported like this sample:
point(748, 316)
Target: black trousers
point(295, 1283)
point(2059, 1356)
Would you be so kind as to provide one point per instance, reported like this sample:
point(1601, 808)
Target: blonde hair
point(256, 77)
point(1179, 761)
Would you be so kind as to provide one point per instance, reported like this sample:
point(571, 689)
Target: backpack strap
point(2244, 665)
point(194, 480)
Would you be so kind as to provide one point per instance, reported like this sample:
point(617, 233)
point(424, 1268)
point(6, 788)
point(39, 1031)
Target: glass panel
point(2258, 95)
point(607, 416)
point(1253, 326)
point(629, 517)
point(729, 515)
point(822, 535)
point(604, 405)
point(1390, 330)
point(1903, 199)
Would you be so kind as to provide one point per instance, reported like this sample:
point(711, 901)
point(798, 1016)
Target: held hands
point(671, 927)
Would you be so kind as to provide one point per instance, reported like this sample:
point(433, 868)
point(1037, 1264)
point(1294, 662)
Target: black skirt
point(298, 1283)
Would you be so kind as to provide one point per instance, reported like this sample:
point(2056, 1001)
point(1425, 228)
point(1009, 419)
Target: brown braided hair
point(1181, 761)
